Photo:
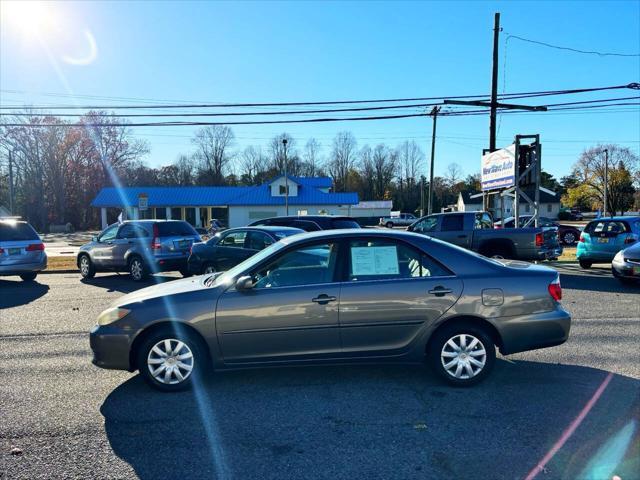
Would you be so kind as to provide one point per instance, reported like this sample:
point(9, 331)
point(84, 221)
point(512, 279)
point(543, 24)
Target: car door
point(102, 252)
point(391, 290)
point(129, 236)
point(230, 249)
point(291, 313)
point(452, 230)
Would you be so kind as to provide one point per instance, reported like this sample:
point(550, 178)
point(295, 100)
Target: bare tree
point(411, 161)
point(384, 165)
point(277, 150)
point(212, 153)
point(343, 156)
point(253, 165)
point(311, 158)
point(453, 175)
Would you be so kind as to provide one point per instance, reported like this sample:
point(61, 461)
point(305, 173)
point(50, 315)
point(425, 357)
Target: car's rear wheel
point(569, 238)
point(29, 277)
point(87, 269)
point(585, 263)
point(185, 272)
point(389, 225)
point(463, 354)
point(169, 360)
point(137, 269)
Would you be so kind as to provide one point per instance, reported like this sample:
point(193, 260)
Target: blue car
point(601, 239)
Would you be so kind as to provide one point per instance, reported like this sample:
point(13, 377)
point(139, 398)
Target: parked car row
point(567, 234)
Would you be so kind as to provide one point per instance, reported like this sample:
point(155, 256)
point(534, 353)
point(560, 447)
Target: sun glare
point(31, 18)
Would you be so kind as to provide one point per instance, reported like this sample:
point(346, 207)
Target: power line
point(338, 102)
point(575, 50)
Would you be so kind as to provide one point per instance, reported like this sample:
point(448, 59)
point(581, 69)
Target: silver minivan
point(21, 250)
point(140, 247)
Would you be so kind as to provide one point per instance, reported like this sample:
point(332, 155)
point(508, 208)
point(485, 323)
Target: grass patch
point(61, 263)
point(568, 255)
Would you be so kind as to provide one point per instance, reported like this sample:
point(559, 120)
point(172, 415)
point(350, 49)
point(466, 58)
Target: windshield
point(248, 263)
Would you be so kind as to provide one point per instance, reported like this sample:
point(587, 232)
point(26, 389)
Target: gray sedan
point(337, 296)
point(626, 264)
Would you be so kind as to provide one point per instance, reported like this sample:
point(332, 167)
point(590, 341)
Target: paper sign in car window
point(374, 261)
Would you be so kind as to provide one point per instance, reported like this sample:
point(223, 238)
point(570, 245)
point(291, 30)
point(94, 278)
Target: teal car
point(601, 239)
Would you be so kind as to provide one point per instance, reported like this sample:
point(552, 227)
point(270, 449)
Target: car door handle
point(440, 291)
point(323, 299)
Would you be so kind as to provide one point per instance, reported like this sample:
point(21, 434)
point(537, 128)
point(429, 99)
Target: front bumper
point(625, 269)
point(17, 269)
point(531, 332)
point(111, 347)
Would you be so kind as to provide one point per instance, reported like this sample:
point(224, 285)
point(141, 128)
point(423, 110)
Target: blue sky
point(308, 51)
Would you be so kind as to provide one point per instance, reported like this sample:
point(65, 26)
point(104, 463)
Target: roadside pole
point(606, 180)
point(286, 179)
point(10, 182)
point(494, 84)
point(434, 114)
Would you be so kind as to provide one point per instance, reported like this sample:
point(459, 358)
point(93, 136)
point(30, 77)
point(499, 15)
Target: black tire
point(389, 224)
point(185, 272)
point(86, 266)
point(439, 341)
point(585, 263)
point(29, 277)
point(208, 266)
point(198, 360)
point(569, 238)
point(138, 270)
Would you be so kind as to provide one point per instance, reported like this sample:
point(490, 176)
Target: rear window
point(344, 223)
point(10, 231)
point(175, 229)
point(607, 227)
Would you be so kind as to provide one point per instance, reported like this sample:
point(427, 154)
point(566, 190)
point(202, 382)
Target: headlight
point(619, 257)
point(111, 315)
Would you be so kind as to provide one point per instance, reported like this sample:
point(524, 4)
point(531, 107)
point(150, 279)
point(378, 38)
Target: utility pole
point(421, 195)
point(286, 179)
point(10, 182)
point(606, 180)
point(494, 84)
point(434, 114)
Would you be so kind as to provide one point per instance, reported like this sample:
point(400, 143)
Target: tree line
point(58, 170)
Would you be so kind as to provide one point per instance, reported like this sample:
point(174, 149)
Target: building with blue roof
point(234, 206)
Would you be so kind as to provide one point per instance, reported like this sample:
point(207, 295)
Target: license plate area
point(182, 244)
point(603, 240)
point(13, 251)
point(636, 271)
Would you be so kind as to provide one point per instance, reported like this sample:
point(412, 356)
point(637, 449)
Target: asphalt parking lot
point(573, 410)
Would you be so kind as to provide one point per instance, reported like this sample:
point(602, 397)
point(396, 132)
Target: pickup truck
point(474, 231)
point(404, 220)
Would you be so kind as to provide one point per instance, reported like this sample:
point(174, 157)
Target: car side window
point(305, 225)
point(377, 259)
point(126, 231)
point(233, 239)
point(258, 240)
point(452, 223)
point(108, 234)
point(132, 231)
point(306, 265)
point(428, 224)
point(487, 221)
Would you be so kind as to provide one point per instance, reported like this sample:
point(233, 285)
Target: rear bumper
point(548, 253)
point(110, 348)
point(166, 264)
point(531, 332)
point(17, 269)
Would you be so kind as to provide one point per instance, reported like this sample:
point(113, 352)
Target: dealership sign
point(499, 169)
point(143, 202)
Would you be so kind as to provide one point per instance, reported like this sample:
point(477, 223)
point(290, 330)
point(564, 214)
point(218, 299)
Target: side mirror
point(244, 283)
point(410, 228)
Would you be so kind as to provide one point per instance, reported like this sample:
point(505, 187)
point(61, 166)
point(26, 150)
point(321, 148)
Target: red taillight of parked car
point(155, 243)
point(539, 239)
point(35, 247)
point(555, 290)
point(629, 240)
point(581, 239)
point(1, 251)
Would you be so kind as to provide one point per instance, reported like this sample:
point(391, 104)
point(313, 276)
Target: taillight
point(498, 226)
point(629, 240)
point(555, 290)
point(539, 239)
point(1, 251)
point(34, 247)
point(581, 239)
point(155, 243)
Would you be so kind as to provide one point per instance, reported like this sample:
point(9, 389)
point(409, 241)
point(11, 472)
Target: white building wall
point(239, 216)
point(275, 188)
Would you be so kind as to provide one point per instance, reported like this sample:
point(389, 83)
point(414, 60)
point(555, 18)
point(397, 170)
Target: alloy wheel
point(463, 356)
point(136, 269)
point(84, 266)
point(170, 361)
point(569, 238)
point(209, 269)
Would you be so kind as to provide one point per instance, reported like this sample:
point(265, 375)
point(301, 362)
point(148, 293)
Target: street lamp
point(286, 179)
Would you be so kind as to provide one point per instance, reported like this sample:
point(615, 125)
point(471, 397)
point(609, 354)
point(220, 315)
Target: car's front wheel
point(585, 263)
point(389, 225)
point(169, 360)
point(29, 277)
point(87, 269)
point(463, 354)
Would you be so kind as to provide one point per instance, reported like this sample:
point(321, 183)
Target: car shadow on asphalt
point(123, 283)
point(597, 282)
point(379, 422)
point(17, 293)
